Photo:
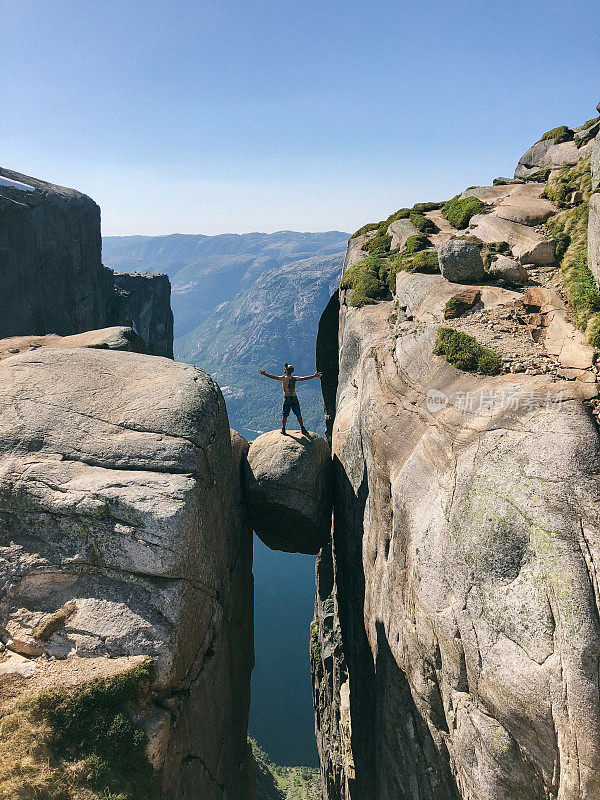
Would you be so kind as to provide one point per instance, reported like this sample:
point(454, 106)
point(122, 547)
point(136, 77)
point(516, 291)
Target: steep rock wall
point(52, 278)
point(456, 643)
point(143, 300)
point(120, 502)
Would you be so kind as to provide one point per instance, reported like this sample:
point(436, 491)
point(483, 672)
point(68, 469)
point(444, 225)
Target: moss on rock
point(570, 179)
point(488, 251)
point(425, 261)
point(459, 212)
point(380, 243)
point(370, 226)
point(465, 352)
point(78, 743)
point(570, 230)
point(414, 244)
point(367, 280)
point(422, 223)
point(558, 135)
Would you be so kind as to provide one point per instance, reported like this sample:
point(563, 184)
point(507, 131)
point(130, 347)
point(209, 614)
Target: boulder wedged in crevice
point(288, 488)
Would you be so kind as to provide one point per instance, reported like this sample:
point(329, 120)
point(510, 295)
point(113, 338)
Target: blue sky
point(212, 117)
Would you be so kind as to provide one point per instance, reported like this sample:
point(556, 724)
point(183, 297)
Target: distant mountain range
point(241, 302)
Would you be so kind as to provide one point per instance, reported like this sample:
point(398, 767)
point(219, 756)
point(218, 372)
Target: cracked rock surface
point(123, 535)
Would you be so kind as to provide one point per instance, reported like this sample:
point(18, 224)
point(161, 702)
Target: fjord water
point(281, 710)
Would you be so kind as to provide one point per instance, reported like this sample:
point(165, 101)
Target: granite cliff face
point(123, 536)
point(456, 642)
point(53, 281)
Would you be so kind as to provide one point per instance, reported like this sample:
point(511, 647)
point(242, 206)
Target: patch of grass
point(570, 228)
point(381, 228)
point(592, 331)
point(425, 261)
point(77, 743)
point(582, 292)
point(459, 212)
point(415, 244)
point(423, 224)
point(367, 280)
point(402, 213)
point(465, 352)
point(590, 122)
point(562, 241)
point(570, 179)
point(540, 176)
point(370, 226)
point(380, 243)
point(99, 346)
point(420, 208)
point(558, 135)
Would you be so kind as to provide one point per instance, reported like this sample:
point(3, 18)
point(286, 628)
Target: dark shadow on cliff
point(327, 358)
point(349, 512)
point(410, 764)
point(394, 752)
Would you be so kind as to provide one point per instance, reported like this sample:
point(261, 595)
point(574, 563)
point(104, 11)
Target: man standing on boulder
point(290, 399)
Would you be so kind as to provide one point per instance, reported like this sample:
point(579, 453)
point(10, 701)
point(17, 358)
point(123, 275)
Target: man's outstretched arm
point(274, 377)
point(310, 377)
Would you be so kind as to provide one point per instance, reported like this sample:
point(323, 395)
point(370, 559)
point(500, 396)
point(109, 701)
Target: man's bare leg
point(302, 428)
point(283, 424)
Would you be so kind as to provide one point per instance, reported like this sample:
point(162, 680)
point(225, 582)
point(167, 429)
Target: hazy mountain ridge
point(242, 301)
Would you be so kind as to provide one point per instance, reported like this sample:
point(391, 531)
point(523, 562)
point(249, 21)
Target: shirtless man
point(290, 399)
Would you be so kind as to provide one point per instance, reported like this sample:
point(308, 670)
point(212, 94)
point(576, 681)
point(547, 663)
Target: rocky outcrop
point(53, 281)
point(288, 491)
point(143, 300)
point(526, 244)
point(117, 338)
point(549, 154)
point(123, 536)
point(456, 644)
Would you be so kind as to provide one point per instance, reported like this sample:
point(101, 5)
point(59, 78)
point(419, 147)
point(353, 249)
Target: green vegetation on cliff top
point(558, 135)
point(414, 244)
point(569, 228)
point(371, 277)
point(367, 280)
point(77, 743)
point(459, 211)
point(415, 214)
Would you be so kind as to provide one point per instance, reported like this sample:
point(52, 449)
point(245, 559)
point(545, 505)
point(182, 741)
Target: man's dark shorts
point(290, 403)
